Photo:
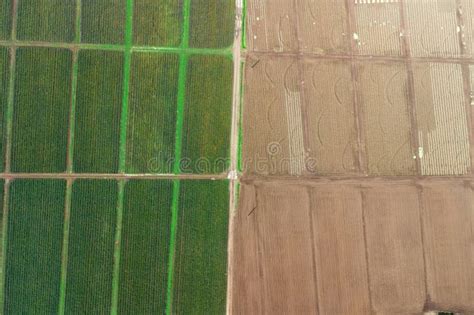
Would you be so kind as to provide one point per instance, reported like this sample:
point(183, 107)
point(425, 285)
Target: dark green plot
point(4, 78)
point(157, 23)
point(35, 236)
point(46, 20)
point(145, 246)
point(212, 23)
point(103, 21)
point(152, 113)
point(41, 110)
point(207, 115)
point(91, 246)
point(98, 108)
point(5, 19)
point(200, 277)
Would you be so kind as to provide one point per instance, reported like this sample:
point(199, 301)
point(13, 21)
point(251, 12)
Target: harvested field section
point(98, 107)
point(272, 117)
point(200, 268)
point(46, 20)
point(322, 26)
point(4, 79)
point(383, 95)
point(433, 28)
point(91, 246)
point(395, 249)
point(442, 122)
point(207, 114)
point(448, 213)
point(271, 27)
point(145, 246)
point(152, 113)
point(212, 23)
point(331, 121)
point(157, 23)
point(103, 21)
point(274, 267)
point(35, 236)
point(339, 250)
point(378, 28)
point(5, 19)
point(41, 110)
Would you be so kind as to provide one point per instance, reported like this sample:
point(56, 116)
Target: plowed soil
point(347, 247)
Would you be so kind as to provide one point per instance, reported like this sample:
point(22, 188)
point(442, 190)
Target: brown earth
point(348, 247)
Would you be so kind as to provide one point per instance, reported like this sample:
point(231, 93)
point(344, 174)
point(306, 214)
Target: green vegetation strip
point(4, 234)
point(64, 255)
point(122, 153)
point(183, 63)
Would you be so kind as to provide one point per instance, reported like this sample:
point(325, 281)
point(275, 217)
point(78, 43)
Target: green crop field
point(115, 125)
point(207, 114)
point(201, 248)
point(152, 113)
point(35, 235)
point(98, 108)
point(5, 19)
point(103, 21)
point(4, 75)
point(157, 23)
point(145, 247)
point(91, 246)
point(41, 109)
point(212, 23)
point(46, 20)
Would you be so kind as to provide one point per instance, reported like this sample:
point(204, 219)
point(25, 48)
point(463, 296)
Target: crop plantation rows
point(115, 122)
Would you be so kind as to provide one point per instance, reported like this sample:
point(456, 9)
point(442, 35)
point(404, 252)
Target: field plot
point(157, 23)
point(378, 28)
point(35, 235)
point(103, 21)
point(395, 250)
point(98, 108)
point(46, 20)
point(145, 247)
point(212, 23)
point(383, 93)
point(331, 120)
point(91, 246)
point(5, 19)
point(152, 113)
point(311, 26)
point(441, 118)
point(466, 18)
point(4, 78)
point(199, 280)
point(433, 28)
point(322, 26)
point(353, 247)
point(207, 114)
point(448, 213)
point(338, 240)
point(41, 110)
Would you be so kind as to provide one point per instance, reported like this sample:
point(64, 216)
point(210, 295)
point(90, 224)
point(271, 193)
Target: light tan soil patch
point(442, 119)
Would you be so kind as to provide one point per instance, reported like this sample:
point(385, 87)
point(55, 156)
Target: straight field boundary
point(151, 49)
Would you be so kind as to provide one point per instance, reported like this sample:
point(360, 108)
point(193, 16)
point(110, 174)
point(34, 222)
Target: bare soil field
point(378, 28)
point(305, 25)
point(383, 92)
point(442, 119)
point(354, 247)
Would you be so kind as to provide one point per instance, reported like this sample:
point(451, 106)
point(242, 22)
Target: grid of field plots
point(102, 104)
